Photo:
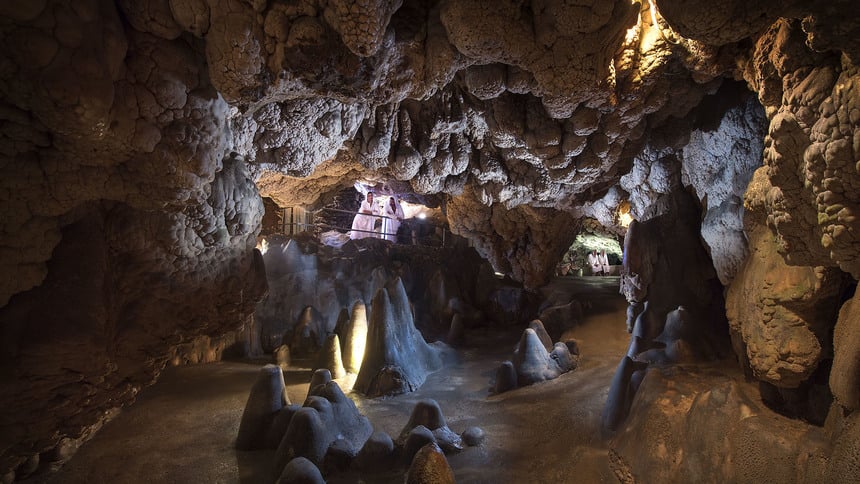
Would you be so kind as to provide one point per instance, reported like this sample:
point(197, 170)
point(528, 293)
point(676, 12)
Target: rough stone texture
point(675, 412)
point(524, 241)
point(718, 163)
point(301, 471)
point(126, 112)
point(377, 451)
point(430, 467)
point(784, 314)
point(811, 146)
point(535, 359)
point(845, 373)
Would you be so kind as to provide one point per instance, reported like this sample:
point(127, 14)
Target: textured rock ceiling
point(134, 134)
point(541, 103)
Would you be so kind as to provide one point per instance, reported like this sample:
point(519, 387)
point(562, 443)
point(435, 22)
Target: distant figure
point(604, 263)
point(594, 262)
point(362, 224)
point(390, 225)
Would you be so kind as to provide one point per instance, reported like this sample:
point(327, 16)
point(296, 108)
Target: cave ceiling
point(508, 108)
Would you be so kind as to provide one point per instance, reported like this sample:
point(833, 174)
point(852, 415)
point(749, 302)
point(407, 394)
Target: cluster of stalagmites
point(387, 353)
point(327, 435)
point(536, 359)
point(368, 297)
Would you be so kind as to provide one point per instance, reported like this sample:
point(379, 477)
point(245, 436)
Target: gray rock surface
point(268, 396)
point(396, 359)
point(134, 122)
point(326, 416)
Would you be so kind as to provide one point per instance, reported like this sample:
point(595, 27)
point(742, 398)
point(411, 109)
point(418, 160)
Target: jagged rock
point(430, 467)
point(301, 471)
point(719, 185)
point(729, 431)
point(326, 416)
point(396, 359)
point(121, 120)
point(268, 396)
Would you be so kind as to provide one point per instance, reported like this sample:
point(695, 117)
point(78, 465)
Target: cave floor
point(182, 428)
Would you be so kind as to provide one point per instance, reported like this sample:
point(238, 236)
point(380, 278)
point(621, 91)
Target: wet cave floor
point(182, 429)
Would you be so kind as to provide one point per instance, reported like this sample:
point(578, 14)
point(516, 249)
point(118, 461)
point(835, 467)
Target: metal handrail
point(350, 229)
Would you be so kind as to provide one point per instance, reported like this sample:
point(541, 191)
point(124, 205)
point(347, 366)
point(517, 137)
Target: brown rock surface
point(126, 128)
point(783, 313)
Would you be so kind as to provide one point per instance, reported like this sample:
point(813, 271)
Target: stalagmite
point(356, 338)
point(397, 359)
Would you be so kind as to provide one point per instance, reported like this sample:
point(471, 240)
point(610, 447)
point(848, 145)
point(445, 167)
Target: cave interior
point(185, 299)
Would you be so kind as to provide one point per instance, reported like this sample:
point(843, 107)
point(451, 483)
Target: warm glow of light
point(359, 343)
point(624, 216)
point(263, 246)
point(633, 32)
point(421, 215)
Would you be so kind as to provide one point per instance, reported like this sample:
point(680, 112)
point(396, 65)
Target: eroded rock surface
point(134, 121)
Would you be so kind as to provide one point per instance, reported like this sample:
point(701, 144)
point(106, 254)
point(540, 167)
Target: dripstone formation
point(138, 136)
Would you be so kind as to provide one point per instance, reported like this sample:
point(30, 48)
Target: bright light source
point(421, 215)
point(263, 246)
point(624, 219)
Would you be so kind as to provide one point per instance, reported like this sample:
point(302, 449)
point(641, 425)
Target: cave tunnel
point(185, 298)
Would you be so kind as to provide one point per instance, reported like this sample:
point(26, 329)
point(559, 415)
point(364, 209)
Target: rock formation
point(138, 136)
point(396, 359)
point(268, 396)
point(327, 418)
point(535, 359)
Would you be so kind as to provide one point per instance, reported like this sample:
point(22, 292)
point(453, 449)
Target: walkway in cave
point(182, 429)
